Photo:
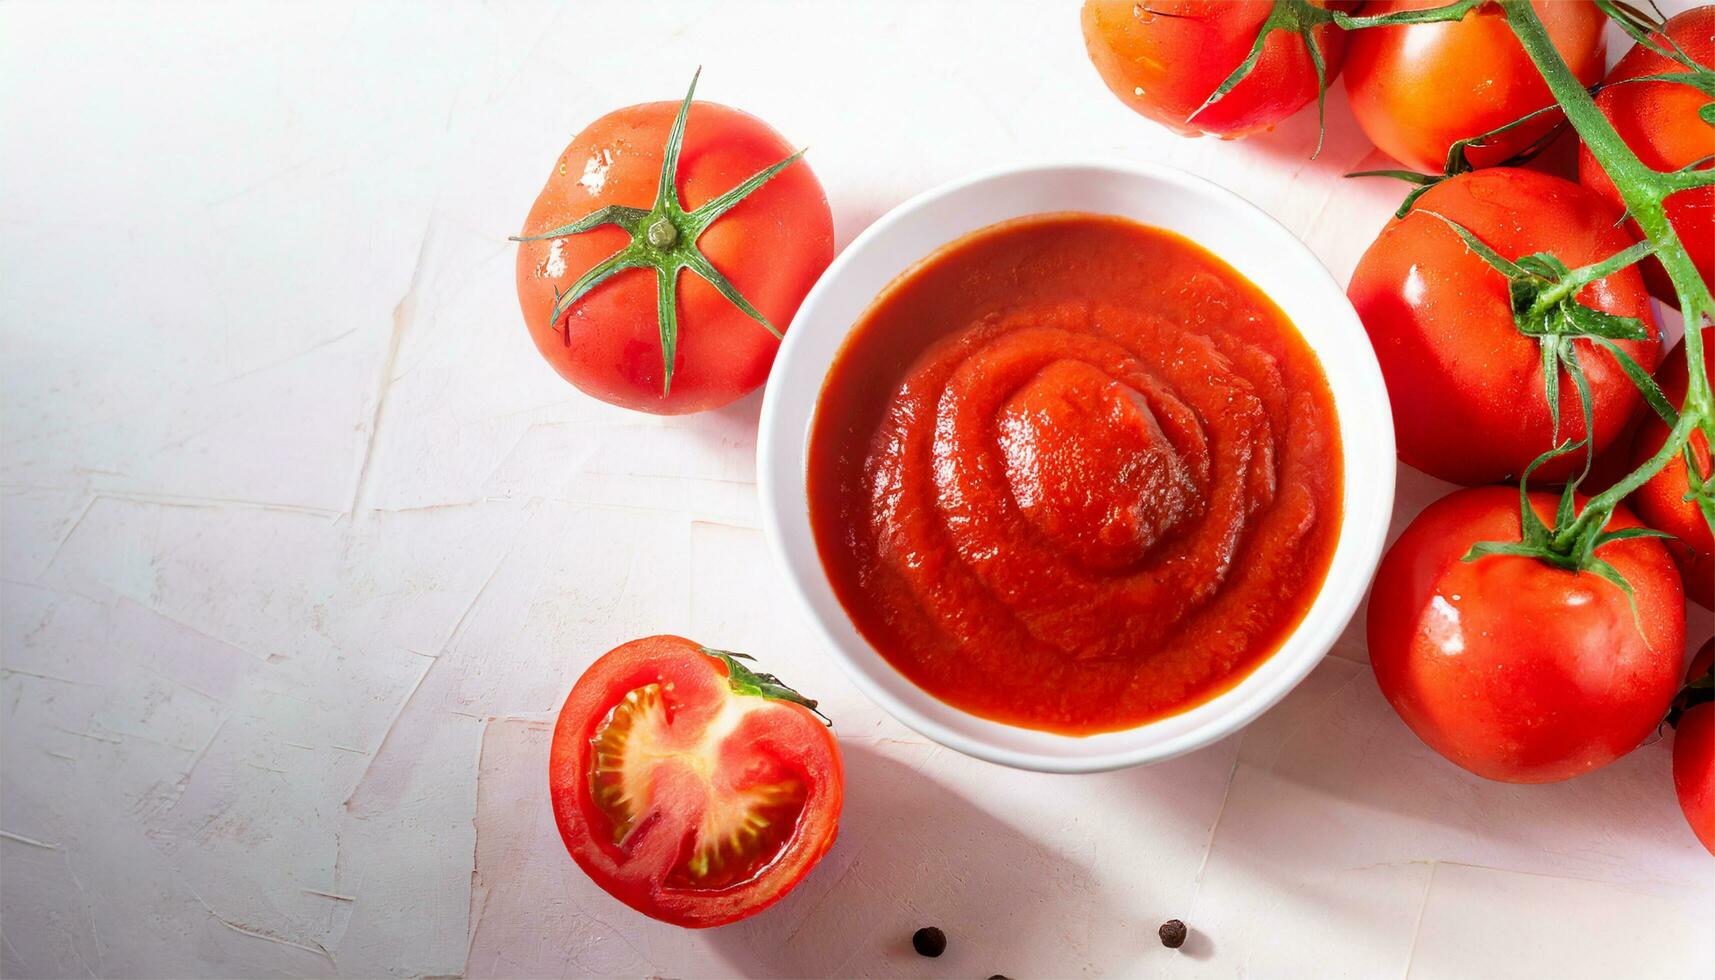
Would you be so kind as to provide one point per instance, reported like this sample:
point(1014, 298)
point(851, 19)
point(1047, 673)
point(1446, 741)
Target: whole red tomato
point(1469, 403)
point(1513, 668)
point(1694, 757)
point(1164, 59)
point(690, 787)
point(1694, 771)
point(1661, 502)
point(771, 246)
point(1660, 122)
point(1417, 89)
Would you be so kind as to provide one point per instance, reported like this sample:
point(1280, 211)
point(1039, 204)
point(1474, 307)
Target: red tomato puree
point(1074, 473)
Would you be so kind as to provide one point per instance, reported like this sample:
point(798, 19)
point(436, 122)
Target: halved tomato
point(689, 786)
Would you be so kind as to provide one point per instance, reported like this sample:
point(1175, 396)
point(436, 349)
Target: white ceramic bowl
point(1254, 244)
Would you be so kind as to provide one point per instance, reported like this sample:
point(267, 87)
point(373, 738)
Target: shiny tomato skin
point(1659, 121)
point(1416, 89)
point(1164, 59)
point(1694, 771)
point(772, 246)
point(1694, 756)
point(1661, 502)
point(1465, 386)
point(1514, 669)
point(771, 735)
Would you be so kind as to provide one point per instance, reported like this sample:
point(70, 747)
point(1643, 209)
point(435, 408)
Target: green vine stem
point(1459, 162)
point(1545, 284)
point(1643, 190)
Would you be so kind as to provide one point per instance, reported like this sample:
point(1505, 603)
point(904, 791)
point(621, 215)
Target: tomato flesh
point(683, 798)
point(743, 824)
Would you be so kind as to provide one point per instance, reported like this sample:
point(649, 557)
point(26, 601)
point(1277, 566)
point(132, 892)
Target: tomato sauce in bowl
point(1074, 473)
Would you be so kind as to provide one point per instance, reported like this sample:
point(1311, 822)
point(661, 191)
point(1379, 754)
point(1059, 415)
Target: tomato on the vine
point(616, 192)
point(689, 786)
point(1694, 751)
point(1661, 502)
point(1513, 668)
point(1468, 389)
point(1166, 58)
point(1660, 122)
point(1416, 89)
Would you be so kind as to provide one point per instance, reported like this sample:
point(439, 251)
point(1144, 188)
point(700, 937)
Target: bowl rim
point(1238, 705)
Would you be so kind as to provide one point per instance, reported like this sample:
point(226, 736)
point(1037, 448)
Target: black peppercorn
point(929, 941)
point(1172, 933)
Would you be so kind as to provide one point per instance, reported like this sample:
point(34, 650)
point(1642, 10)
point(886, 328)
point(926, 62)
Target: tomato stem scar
point(662, 234)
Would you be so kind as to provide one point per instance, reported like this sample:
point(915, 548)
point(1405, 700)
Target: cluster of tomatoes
point(700, 790)
point(1511, 666)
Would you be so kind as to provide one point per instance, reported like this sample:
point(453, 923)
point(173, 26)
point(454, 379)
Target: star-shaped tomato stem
point(663, 238)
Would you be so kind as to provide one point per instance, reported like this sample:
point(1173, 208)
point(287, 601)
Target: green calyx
point(663, 238)
point(755, 683)
point(1570, 544)
point(1295, 17)
point(1544, 299)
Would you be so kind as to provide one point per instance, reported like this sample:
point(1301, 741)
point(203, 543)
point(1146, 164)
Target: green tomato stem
point(1579, 278)
point(1427, 15)
point(1603, 505)
point(1643, 190)
point(1687, 179)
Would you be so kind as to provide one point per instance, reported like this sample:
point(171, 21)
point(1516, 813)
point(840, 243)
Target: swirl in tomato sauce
point(1074, 473)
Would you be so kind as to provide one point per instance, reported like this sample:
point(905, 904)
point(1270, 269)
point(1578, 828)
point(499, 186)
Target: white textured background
point(303, 543)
